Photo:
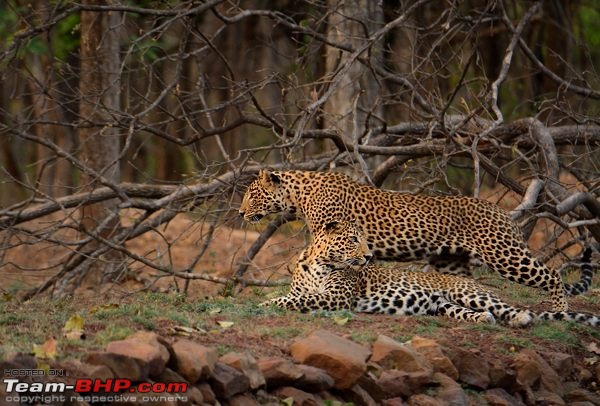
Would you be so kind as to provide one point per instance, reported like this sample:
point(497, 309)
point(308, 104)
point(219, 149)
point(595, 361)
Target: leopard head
point(341, 244)
point(264, 196)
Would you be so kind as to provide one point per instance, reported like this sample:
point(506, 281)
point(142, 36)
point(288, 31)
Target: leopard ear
point(268, 179)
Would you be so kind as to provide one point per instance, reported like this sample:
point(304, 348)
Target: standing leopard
point(449, 231)
point(332, 274)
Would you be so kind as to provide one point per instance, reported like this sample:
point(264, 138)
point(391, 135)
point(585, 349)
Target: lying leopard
point(333, 274)
point(449, 231)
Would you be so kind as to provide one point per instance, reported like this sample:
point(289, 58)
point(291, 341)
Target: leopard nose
point(241, 213)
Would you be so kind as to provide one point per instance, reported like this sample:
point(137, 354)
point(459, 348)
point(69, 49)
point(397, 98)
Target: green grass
point(515, 341)
point(24, 324)
point(558, 332)
point(428, 326)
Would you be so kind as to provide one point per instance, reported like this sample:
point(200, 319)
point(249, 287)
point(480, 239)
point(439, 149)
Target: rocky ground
point(326, 368)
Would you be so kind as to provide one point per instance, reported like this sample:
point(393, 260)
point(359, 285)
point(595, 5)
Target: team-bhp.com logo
point(94, 390)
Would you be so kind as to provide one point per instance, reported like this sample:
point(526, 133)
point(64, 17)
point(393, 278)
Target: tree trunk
point(100, 143)
point(355, 97)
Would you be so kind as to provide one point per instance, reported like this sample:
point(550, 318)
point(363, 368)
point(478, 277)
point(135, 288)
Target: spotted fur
point(450, 232)
point(332, 274)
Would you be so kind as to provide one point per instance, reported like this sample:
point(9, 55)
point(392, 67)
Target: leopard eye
point(353, 239)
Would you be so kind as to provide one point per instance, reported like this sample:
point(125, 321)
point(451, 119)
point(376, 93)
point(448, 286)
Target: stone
point(584, 375)
point(393, 402)
point(358, 396)
point(193, 361)
point(244, 399)
point(534, 372)
point(342, 359)
point(246, 364)
point(502, 376)
point(423, 400)
point(207, 393)
point(265, 398)
point(150, 398)
point(313, 379)
point(101, 372)
point(120, 365)
point(500, 397)
point(400, 383)
point(432, 352)
point(279, 372)
point(473, 368)
point(194, 395)
point(370, 383)
point(582, 395)
point(170, 376)
point(546, 397)
point(227, 381)
point(299, 397)
point(155, 355)
point(562, 363)
point(391, 354)
point(449, 393)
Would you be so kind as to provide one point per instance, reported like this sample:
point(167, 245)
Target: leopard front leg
point(455, 311)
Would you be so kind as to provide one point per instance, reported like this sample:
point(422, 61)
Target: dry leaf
point(48, 350)
point(225, 324)
point(593, 347)
point(75, 323)
point(340, 321)
point(216, 310)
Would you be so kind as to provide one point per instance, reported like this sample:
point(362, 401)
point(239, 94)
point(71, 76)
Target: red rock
point(244, 399)
point(227, 381)
point(246, 364)
point(545, 397)
point(358, 396)
point(279, 372)
point(391, 354)
point(473, 368)
point(299, 397)
point(582, 395)
point(150, 398)
point(101, 372)
point(342, 359)
point(370, 383)
point(400, 383)
point(155, 355)
point(502, 376)
point(207, 393)
point(120, 365)
point(449, 393)
point(432, 352)
point(313, 379)
point(393, 402)
point(562, 363)
point(194, 361)
point(534, 372)
point(500, 397)
point(423, 400)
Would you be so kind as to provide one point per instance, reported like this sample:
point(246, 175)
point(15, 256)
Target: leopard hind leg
point(485, 301)
point(450, 259)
